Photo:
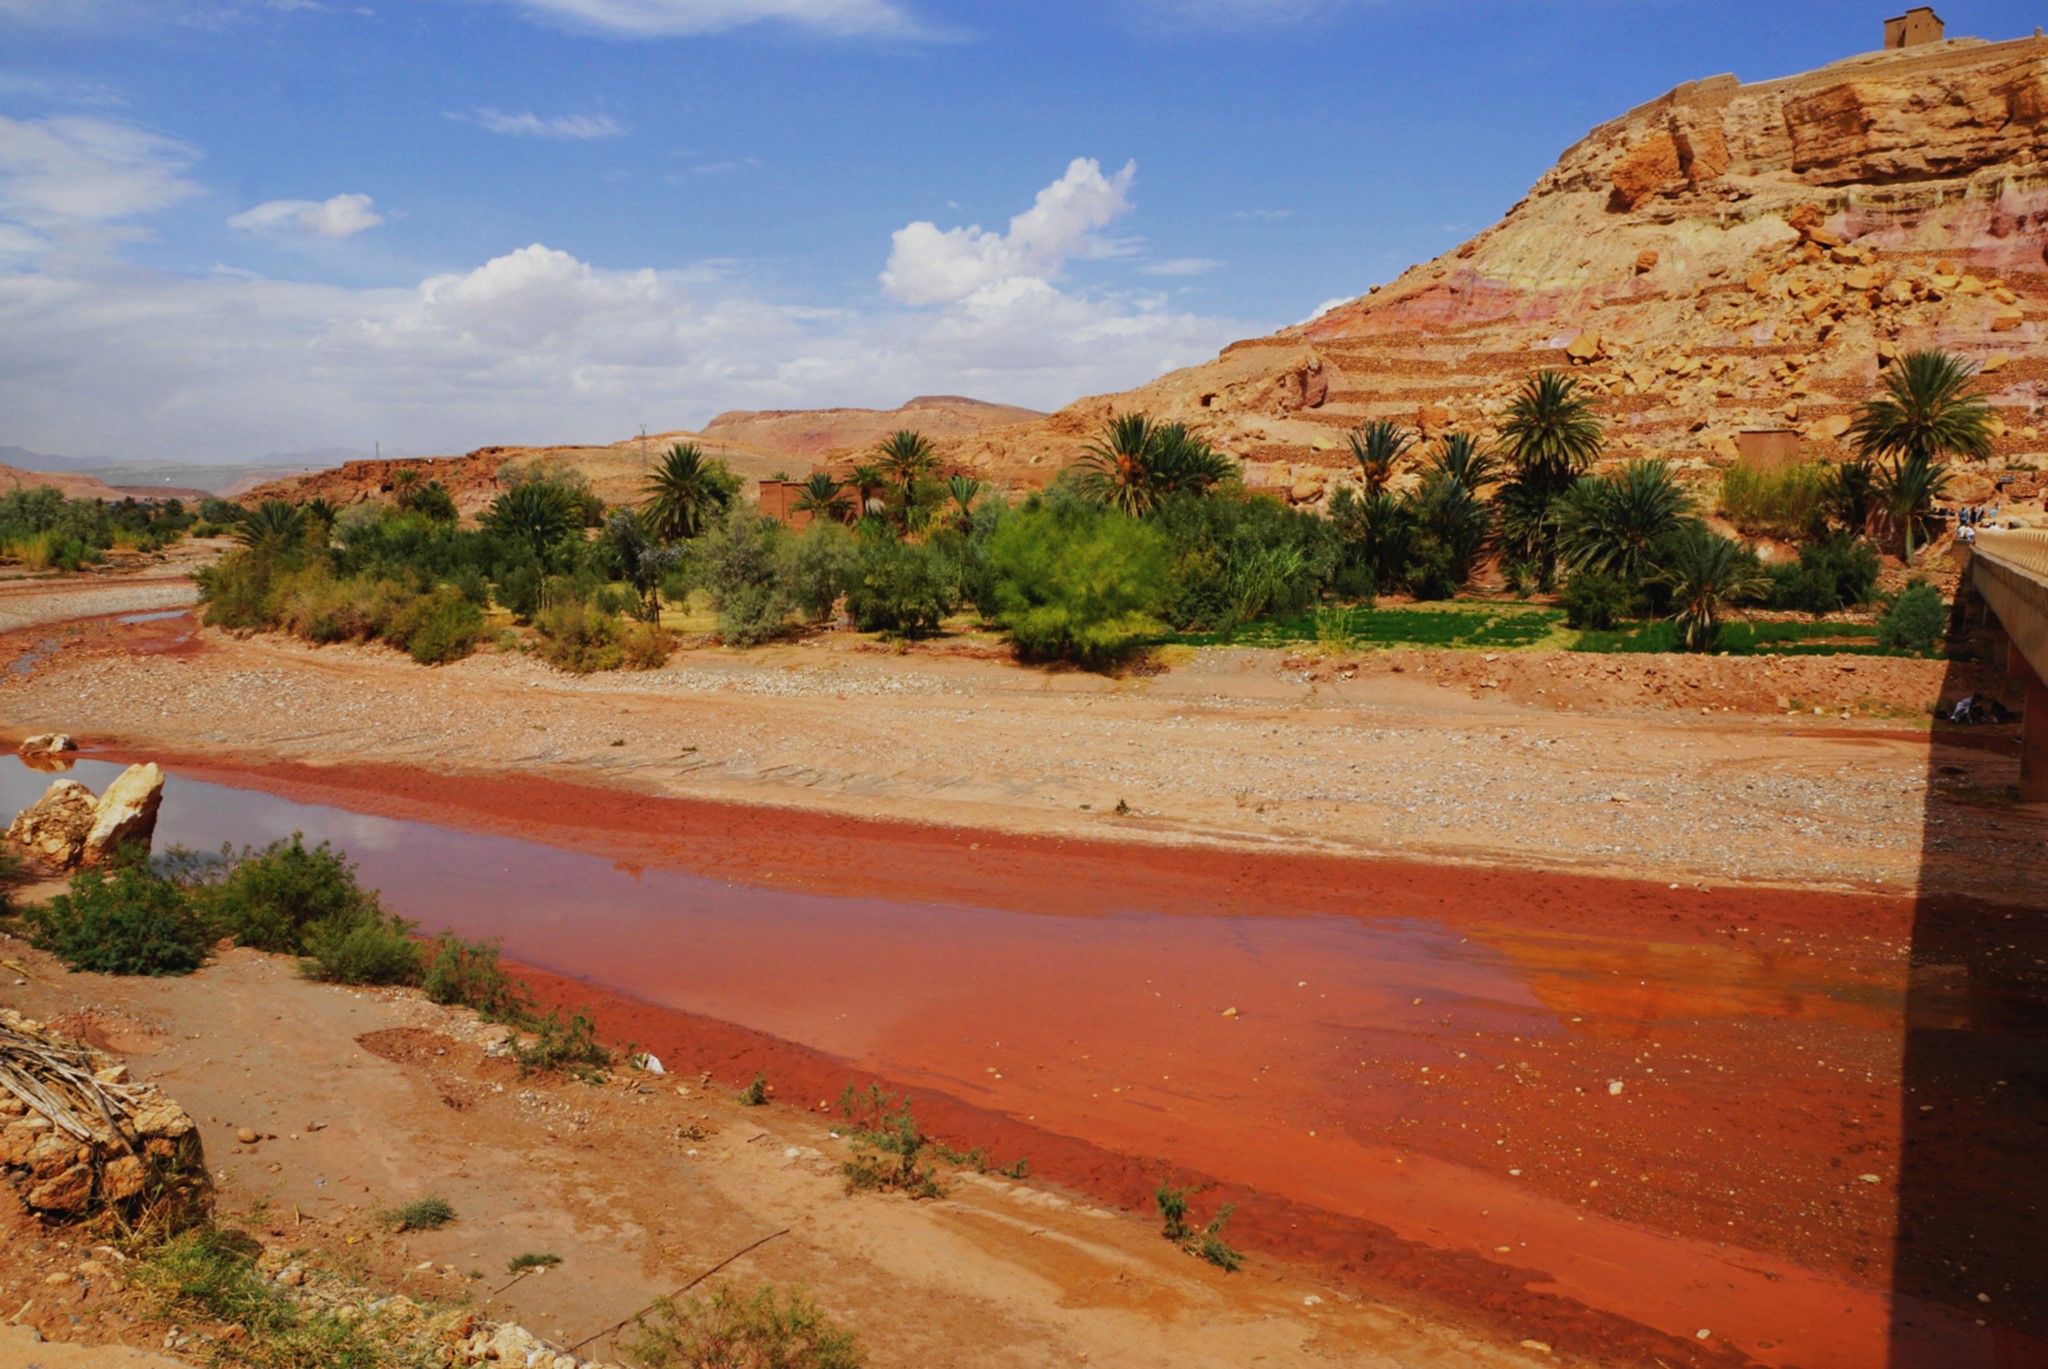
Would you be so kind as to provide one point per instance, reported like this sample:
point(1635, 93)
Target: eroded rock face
point(126, 814)
point(1725, 257)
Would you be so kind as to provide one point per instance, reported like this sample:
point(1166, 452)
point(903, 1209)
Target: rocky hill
point(75, 486)
point(818, 434)
point(755, 445)
point(1729, 256)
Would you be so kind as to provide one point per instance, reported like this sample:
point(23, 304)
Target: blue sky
point(233, 227)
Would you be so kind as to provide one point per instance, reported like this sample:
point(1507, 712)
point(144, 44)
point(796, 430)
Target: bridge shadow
point(1970, 1264)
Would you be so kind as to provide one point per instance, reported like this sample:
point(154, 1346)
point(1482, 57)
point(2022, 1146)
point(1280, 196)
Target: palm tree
point(1931, 408)
point(273, 525)
point(1551, 430)
point(1907, 487)
point(1457, 521)
point(685, 493)
point(1460, 459)
point(907, 457)
point(1137, 463)
point(1550, 436)
point(1706, 573)
point(964, 489)
point(535, 512)
point(866, 480)
point(823, 497)
point(1850, 495)
point(1376, 447)
point(1612, 525)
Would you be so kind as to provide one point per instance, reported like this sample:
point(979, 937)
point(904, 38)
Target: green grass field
point(1517, 627)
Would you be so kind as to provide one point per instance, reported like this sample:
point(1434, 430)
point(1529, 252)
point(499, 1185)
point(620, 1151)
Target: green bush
point(372, 948)
point(437, 627)
point(897, 587)
point(645, 646)
point(1598, 602)
point(740, 562)
point(561, 1045)
point(1238, 558)
point(1836, 574)
point(468, 973)
point(271, 899)
point(127, 921)
point(1915, 621)
point(1207, 1243)
point(770, 1330)
point(578, 638)
point(1078, 581)
point(889, 1145)
point(816, 566)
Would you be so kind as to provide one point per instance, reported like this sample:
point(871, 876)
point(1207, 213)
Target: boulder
point(1586, 347)
point(126, 813)
point(1646, 261)
point(2008, 318)
point(56, 825)
point(46, 744)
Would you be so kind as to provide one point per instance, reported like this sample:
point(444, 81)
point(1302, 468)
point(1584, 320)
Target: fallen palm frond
point(62, 1082)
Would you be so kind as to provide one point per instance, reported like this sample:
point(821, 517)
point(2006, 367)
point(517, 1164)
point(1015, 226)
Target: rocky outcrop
point(126, 814)
point(92, 1139)
point(56, 825)
point(67, 827)
point(1724, 257)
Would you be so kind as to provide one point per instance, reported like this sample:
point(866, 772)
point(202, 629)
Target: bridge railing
point(2023, 549)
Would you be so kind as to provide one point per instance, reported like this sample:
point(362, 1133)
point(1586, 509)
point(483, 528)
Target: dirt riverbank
point(1441, 1138)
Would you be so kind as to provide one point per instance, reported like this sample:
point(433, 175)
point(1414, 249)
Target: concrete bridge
point(2009, 572)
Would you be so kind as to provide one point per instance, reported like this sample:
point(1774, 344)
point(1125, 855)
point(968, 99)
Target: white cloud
point(573, 127)
point(343, 216)
point(74, 169)
point(539, 345)
point(1183, 266)
point(676, 18)
point(930, 266)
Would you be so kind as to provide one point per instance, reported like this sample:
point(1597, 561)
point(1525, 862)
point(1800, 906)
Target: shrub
point(577, 638)
point(271, 899)
point(1838, 573)
point(236, 590)
point(561, 1046)
point(1206, 1243)
point(770, 1330)
point(129, 921)
point(889, 1145)
point(897, 587)
point(1915, 620)
point(468, 973)
point(816, 568)
point(1792, 501)
point(738, 561)
point(1239, 558)
point(646, 646)
point(1078, 581)
point(755, 1094)
point(372, 948)
point(437, 627)
point(532, 1259)
point(1597, 602)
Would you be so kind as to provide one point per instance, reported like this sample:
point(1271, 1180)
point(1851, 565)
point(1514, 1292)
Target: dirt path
point(370, 1099)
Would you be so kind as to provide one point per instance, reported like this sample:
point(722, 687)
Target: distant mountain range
point(225, 476)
